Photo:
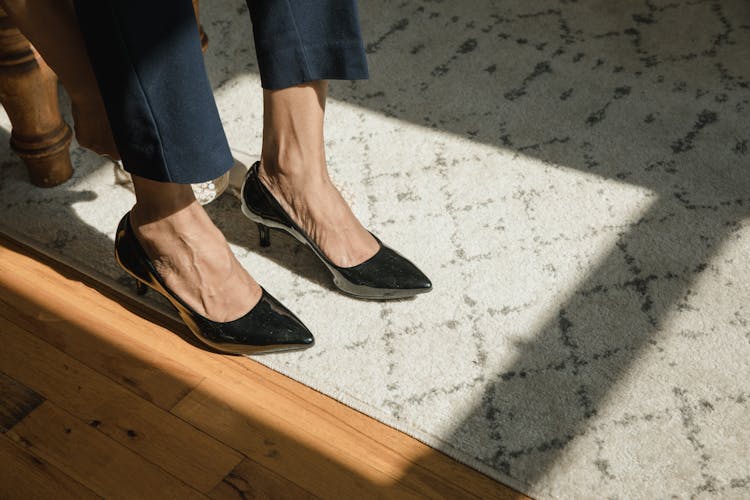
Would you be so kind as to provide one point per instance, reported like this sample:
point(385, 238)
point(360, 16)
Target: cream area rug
point(575, 179)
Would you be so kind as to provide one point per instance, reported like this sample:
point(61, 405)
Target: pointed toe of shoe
point(410, 279)
point(268, 327)
point(416, 280)
point(386, 275)
point(289, 331)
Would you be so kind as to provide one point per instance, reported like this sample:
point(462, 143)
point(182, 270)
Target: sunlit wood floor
point(100, 397)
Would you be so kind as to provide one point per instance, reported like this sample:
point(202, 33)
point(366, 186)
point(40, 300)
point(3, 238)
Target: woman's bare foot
point(293, 167)
point(189, 252)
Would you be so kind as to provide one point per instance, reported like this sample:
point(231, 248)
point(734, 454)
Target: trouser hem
point(284, 67)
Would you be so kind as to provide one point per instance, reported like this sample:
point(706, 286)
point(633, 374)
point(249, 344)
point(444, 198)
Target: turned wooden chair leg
point(28, 92)
point(204, 37)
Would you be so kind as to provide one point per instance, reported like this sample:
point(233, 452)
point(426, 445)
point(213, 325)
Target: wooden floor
point(102, 398)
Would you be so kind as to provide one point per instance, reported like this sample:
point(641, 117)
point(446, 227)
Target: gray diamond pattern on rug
point(575, 178)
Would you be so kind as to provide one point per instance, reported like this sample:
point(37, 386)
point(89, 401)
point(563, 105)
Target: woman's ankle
point(293, 140)
point(293, 172)
point(159, 200)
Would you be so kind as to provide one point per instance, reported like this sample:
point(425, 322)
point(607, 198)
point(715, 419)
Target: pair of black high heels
point(269, 326)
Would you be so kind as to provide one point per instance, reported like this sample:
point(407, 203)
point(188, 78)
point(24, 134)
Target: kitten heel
point(265, 235)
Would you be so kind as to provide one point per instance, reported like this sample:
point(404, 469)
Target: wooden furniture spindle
point(28, 92)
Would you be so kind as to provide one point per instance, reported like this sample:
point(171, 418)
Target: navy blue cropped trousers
point(147, 59)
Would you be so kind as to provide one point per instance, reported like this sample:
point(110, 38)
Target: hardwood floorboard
point(251, 480)
point(233, 417)
point(296, 442)
point(309, 448)
point(16, 401)
point(93, 459)
point(24, 475)
point(372, 438)
point(87, 325)
point(151, 432)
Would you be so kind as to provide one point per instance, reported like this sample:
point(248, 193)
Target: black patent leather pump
point(385, 275)
point(267, 327)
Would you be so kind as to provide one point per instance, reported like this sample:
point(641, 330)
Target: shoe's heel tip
point(140, 287)
point(265, 235)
